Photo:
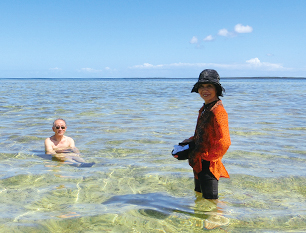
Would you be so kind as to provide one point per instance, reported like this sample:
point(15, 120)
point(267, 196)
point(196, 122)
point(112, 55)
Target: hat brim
point(197, 85)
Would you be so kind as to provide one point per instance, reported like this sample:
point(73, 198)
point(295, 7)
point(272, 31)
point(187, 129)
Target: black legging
point(207, 184)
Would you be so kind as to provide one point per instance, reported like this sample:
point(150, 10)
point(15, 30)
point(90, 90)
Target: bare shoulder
point(48, 141)
point(49, 146)
point(69, 139)
point(70, 142)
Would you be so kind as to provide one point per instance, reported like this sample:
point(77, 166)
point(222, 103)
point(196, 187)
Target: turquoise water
point(128, 128)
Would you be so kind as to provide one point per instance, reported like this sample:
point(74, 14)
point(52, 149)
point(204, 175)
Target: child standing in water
point(211, 137)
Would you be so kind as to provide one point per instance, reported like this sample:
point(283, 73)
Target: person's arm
point(71, 142)
point(48, 147)
point(72, 146)
point(186, 141)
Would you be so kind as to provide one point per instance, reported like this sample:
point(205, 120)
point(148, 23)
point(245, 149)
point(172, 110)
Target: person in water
point(62, 147)
point(211, 139)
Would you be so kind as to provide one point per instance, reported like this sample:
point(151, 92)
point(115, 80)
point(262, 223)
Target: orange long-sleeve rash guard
point(212, 140)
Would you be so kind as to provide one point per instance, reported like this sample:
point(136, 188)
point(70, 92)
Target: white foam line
point(79, 190)
point(3, 190)
point(17, 218)
point(131, 187)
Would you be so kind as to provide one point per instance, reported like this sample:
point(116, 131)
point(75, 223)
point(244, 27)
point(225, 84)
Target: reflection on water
point(203, 213)
point(128, 127)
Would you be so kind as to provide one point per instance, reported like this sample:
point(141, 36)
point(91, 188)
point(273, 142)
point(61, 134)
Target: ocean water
point(128, 128)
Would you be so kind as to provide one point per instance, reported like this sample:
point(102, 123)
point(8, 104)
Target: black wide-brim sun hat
point(209, 76)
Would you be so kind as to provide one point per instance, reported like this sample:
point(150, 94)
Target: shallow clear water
point(128, 128)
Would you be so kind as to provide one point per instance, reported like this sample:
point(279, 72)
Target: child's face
point(208, 92)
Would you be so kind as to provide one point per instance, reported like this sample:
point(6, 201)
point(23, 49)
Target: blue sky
point(156, 38)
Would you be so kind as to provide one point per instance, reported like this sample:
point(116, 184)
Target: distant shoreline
point(81, 78)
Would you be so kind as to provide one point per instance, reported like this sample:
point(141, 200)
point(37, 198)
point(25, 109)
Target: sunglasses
point(58, 127)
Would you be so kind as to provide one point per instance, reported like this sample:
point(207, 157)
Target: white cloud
point(251, 64)
point(194, 40)
point(56, 68)
point(150, 66)
point(176, 65)
point(256, 63)
point(146, 66)
point(224, 32)
point(107, 68)
point(239, 28)
point(208, 38)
